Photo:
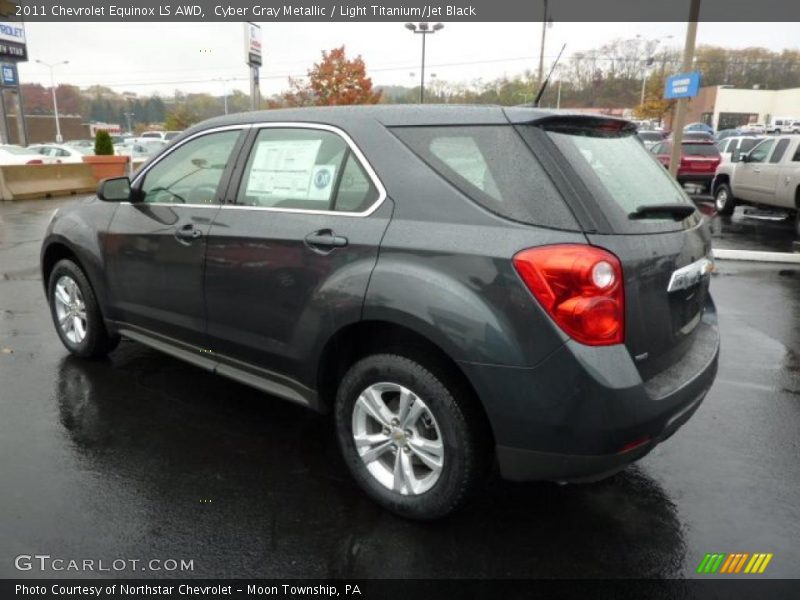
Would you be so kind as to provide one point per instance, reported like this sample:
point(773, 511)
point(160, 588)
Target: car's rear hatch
point(699, 158)
point(606, 176)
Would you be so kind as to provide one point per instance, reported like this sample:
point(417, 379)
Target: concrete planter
point(104, 167)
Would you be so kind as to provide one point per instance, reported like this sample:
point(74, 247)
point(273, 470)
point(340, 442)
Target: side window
point(356, 192)
point(190, 174)
point(780, 148)
point(760, 152)
point(796, 157)
point(306, 169)
point(732, 146)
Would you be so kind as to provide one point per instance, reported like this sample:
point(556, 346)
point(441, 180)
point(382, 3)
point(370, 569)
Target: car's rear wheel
point(75, 312)
point(409, 437)
point(724, 200)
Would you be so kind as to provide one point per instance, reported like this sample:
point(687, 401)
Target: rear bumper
point(572, 417)
point(699, 178)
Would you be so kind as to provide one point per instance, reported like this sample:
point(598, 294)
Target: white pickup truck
point(768, 175)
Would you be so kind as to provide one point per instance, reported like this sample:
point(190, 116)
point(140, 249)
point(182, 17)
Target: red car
point(699, 160)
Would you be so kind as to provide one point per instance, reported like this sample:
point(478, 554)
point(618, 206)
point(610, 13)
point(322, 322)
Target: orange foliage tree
point(333, 81)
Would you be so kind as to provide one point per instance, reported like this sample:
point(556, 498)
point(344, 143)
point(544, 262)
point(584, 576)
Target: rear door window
point(780, 148)
point(492, 166)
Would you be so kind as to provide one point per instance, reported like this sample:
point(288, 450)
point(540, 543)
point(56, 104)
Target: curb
point(757, 255)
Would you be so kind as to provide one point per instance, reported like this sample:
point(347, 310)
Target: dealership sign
point(12, 41)
point(252, 44)
point(683, 85)
point(9, 74)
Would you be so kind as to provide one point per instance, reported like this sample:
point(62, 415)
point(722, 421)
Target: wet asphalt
point(141, 456)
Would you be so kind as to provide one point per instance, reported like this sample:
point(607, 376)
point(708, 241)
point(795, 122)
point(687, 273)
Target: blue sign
point(9, 74)
point(683, 85)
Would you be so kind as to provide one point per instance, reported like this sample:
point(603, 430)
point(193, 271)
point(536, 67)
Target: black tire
point(724, 201)
point(460, 425)
point(96, 340)
point(797, 224)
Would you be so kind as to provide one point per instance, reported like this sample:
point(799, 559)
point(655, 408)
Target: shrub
point(103, 146)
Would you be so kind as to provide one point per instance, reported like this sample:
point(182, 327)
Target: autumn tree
point(333, 81)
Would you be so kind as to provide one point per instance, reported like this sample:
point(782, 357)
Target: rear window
point(621, 176)
point(494, 167)
point(700, 149)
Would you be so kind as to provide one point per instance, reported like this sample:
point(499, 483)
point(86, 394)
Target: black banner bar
point(733, 588)
point(405, 10)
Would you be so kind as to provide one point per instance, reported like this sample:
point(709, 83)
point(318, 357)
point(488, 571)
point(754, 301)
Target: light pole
point(649, 60)
point(423, 29)
point(225, 91)
point(52, 66)
point(129, 116)
point(541, 49)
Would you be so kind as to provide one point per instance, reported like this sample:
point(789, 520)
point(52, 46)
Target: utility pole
point(680, 109)
point(541, 50)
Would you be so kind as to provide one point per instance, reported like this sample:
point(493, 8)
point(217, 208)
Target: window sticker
point(283, 169)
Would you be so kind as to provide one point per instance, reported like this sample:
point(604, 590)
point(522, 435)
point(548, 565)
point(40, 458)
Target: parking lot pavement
point(141, 456)
point(749, 228)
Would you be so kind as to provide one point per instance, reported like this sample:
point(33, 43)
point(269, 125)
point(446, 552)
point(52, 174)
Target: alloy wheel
point(70, 309)
point(397, 438)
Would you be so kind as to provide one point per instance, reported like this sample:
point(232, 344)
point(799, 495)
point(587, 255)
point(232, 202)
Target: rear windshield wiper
point(677, 211)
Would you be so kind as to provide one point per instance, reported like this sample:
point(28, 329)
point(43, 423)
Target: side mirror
point(114, 189)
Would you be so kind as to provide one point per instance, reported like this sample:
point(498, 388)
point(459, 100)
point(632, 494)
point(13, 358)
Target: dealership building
point(726, 107)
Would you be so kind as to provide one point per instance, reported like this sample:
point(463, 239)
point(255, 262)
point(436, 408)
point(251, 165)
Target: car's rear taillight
point(580, 287)
point(35, 161)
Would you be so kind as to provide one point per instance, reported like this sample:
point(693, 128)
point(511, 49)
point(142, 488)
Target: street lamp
point(423, 29)
point(649, 60)
point(225, 90)
point(50, 66)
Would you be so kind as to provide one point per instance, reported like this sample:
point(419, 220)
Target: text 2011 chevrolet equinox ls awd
point(458, 285)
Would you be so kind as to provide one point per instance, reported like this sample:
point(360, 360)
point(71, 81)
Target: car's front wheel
point(411, 439)
point(724, 200)
point(76, 313)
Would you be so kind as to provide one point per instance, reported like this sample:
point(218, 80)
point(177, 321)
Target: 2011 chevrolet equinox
point(457, 284)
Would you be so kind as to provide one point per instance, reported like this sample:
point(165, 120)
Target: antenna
point(547, 79)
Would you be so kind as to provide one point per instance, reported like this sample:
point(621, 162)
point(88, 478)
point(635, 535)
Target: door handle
point(325, 240)
point(188, 232)
point(756, 170)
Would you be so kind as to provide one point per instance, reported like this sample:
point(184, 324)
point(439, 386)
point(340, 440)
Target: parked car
point(740, 143)
point(781, 125)
point(726, 133)
point(62, 153)
point(160, 135)
point(650, 138)
point(87, 144)
point(769, 174)
point(139, 150)
point(432, 275)
point(697, 136)
point(756, 128)
point(11, 154)
point(699, 160)
point(700, 127)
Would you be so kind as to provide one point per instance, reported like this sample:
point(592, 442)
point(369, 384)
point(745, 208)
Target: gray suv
point(461, 287)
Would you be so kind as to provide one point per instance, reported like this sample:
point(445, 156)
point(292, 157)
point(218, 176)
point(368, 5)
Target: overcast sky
point(150, 57)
